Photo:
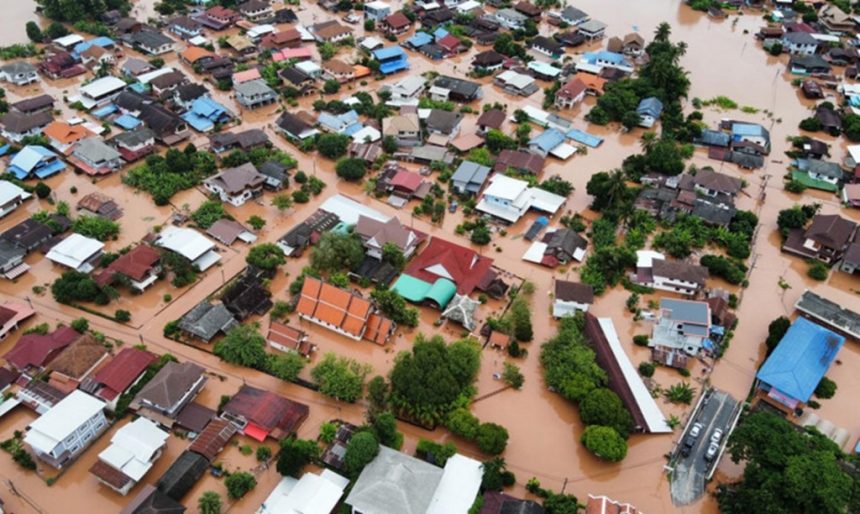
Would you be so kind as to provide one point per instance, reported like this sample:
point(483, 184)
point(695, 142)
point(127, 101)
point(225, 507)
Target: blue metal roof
point(102, 41)
point(687, 310)
point(390, 67)
point(651, 106)
point(584, 138)
point(748, 129)
point(391, 52)
point(439, 33)
point(548, 140)
point(801, 359)
point(107, 110)
point(606, 56)
point(35, 160)
point(208, 108)
point(419, 39)
point(127, 121)
point(198, 123)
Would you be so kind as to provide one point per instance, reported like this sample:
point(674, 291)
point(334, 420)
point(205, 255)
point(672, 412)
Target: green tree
point(521, 319)
point(826, 389)
point(340, 377)
point(361, 449)
point(492, 438)
point(463, 423)
point(73, 286)
point(603, 407)
point(80, 325)
point(208, 213)
point(336, 252)
point(513, 376)
point(794, 218)
point(34, 33)
point(389, 144)
point(327, 51)
point(377, 394)
point(266, 256)
point(282, 202)
point(851, 127)
point(351, 169)
point(263, 453)
point(96, 227)
point(607, 189)
point(285, 366)
point(256, 222)
point(496, 141)
point(481, 235)
point(42, 190)
point(331, 86)
point(243, 345)
point(392, 254)
point(604, 442)
point(294, 455)
point(569, 362)
point(818, 270)
point(209, 503)
point(775, 332)
point(239, 484)
point(332, 146)
point(561, 504)
point(384, 425)
point(394, 306)
point(496, 475)
point(56, 30)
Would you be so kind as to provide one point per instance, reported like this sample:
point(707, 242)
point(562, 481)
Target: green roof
point(808, 181)
point(416, 290)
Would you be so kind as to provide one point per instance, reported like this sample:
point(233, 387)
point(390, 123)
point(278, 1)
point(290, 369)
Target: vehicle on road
point(711, 453)
point(717, 435)
point(691, 438)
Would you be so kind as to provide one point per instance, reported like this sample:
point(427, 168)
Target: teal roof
point(416, 290)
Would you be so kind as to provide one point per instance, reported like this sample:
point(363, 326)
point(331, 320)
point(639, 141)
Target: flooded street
point(723, 59)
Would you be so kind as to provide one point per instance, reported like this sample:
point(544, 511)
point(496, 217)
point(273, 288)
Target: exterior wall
point(75, 443)
point(675, 286)
point(332, 327)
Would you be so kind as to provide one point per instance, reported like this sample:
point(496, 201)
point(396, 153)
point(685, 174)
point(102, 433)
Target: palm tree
point(209, 503)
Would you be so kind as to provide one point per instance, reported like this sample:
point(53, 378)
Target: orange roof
point(193, 54)
point(334, 306)
point(246, 76)
point(360, 71)
point(378, 329)
point(64, 133)
point(592, 82)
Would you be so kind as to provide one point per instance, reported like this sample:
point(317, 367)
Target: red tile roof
point(135, 264)
point(407, 180)
point(213, 438)
point(267, 410)
point(465, 267)
point(449, 43)
point(397, 20)
point(118, 374)
point(38, 350)
point(333, 306)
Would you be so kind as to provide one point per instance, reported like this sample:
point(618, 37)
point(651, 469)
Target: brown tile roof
point(193, 54)
point(38, 350)
point(391, 231)
point(519, 160)
point(213, 438)
point(236, 180)
point(831, 230)
point(267, 410)
point(135, 264)
point(573, 292)
point(109, 475)
point(331, 305)
point(492, 118)
point(170, 384)
point(397, 20)
point(121, 372)
point(329, 30)
point(195, 417)
point(337, 67)
point(680, 270)
point(79, 357)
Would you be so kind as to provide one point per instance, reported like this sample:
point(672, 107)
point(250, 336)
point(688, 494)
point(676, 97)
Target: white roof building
point(100, 89)
point(68, 41)
point(76, 252)
point(312, 494)
point(508, 198)
point(459, 486)
point(10, 196)
point(349, 210)
point(259, 31)
point(63, 420)
point(146, 78)
point(190, 244)
point(134, 448)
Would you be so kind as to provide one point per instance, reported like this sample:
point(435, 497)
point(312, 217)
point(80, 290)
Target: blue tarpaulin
point(107, 110)
point(127, 122)
point(584, 138)
point(419, 39)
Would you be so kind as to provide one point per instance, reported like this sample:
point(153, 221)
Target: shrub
point(42, 190)
point(239, 484)
point(512, 376)
point(351, 169)
point(817, 271)
point(492, 438)
point(826, 389)
point(640, 340)
point(646, 369)
point(681, 393)
point(264, 453)
point(80, 325)
point(122, 316)
point(603, 407)
point(294, 455)
point(604, 442)
point(463, 423)
point(340, 377)
point(361, 449)
point(435, 453)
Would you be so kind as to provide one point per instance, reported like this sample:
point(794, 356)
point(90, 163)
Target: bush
point(492, 438)
point(646, 369)
point(239, 484)
point(256, 222)
point(361, 449)
point(496, 476)
point(463, 423)
point(826, 389)
point(681, 392)
point(810, 124)
point(818, 270)
point(340, 377)
point(332, 146)
point(266, 256)
point(42, 190)
point(603, 407)
point(80, 325)
point(512, 376)
point(208, 213)
point(243, 345)
point(435, 453)
point(604, 442)
point(640, 340)
point(122, 316)
point(285, 366)
point(209, 503)
point(795, 186)
point(294, 455)
point(264, 453)
point(351, 169)
point(96, 227)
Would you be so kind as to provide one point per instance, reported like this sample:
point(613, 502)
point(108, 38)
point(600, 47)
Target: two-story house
point(826, 238)
point(405, 128)
point(139, 267)
point(653, 270)
point(254, 93)
point(20, 73)
point(169, 391)
point(799, 43)
point(94, 157)
point(67, 429)
point(133, 451)
point(237, 185)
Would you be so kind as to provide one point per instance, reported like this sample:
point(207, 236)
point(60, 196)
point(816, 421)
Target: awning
point(256, 432)
point(17, 271)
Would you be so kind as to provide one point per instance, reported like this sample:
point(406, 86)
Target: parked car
point(716, 435)
point(351, 18)
point(711, 453)
point(691, 438)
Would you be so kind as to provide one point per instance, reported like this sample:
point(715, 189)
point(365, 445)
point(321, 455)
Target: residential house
point(258, 32)
point(799, 43)
point(311, 494)
point(163, 85)
point(171, 389)
point(338, 70)
point(134, 67)
point(185, 27)
point(830, 120)
point(256, 10)
point(254, 93)
point(548, 47)
point(303, 83)
point(17, 126)
point(826, 238)
point(550, 141)
point(218, 17)
point(11, 196)
point(338, 310)
point(246, 140)
point(511, 19)
point(457, 90)
point(794, 369)
point(392, 59)
point(561, 246)
point(133, 451)
point(151, 42)
point(711, 183)
point(205, 320)
point(443, 122)
point(649, 111)
point(139, 267)
point(592, 29)
point(19, 73)
point(181, 476)
point(437, 17)
point(488, 60)
point(77, 252)
point(296, 128)
point(395, 24)
point(150, 500)
point(330, 32)
point(67, 429)
point(653, 270)
point(33, 352)
point(376, 234)
point(808, 65)
point(33, 105)
point(818, 174)
point(101, 92)
point(190, 244)
point(491, 119)
point(571, 93)
point(418, 41)
point(213, 437)
point(94, 157)
point(407, 91)
point(384, 488)
point(99, 204)
point(605, 505)
point(529, 9)
point(59, 65)
point(570, 298)
point(508, 199)
point(63, 137)
point(597, 62)
point(632, 45)
point(751, 133)
point(310, 68)
point(12, 263)
point(276, 175)
point(119, 375)
point(228, 231)
point(519, 161)
point(683, 325)
point(851, 195)
point(516, 83)
point(290, 38)
point(31, 234)
point(259, 414)
point(405, 128)
point(11, 314)
point(573, 16)
point(75, 362)
point(135, 144)
point(236, 185)
point(376, 10)
point(836, 20)
point(469, 177)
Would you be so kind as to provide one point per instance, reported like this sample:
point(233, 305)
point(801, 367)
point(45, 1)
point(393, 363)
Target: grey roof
point(18, 67)
point(206, 319)
point(800, 38)
point(828, 169)
point(252, 88)
point(462, 310)
point(181, 476)
point(395, 483)
point(18, 123)
point(680, 271)
point(10, 253)
point(573, 292)
point(566, 240)
point(32, 104)
point(94, 149)
point(150, 39)
point(273, 170)
point(466, 88)
point(832, 313)
point(168, 387)
point(135, 66)
point(686, 310)
point(135, 137)
point(471, 173)
point(592, 26)
point(572, 13)
point(650, 106)
point(713, 138)
point(443, 121)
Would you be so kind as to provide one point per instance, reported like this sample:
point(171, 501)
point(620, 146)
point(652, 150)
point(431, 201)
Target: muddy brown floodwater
point(544, 429)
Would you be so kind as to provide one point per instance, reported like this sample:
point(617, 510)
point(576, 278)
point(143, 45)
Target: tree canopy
point(604, 442)
point(361, 449)
point(243, 345)
point(266, 256)
point(340, 377)
point(337, 252)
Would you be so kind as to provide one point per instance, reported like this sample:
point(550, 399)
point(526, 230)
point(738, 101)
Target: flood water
point(544, 429)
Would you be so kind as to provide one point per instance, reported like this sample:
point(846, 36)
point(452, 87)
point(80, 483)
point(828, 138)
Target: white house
point(508, 199)
point(190, 244)
point(11, 196)
point(311, 494)
point(67, 429)
point(19, 73)
point(653, 270)
point(570, 298)
point(133, 450)
point(237, 185)
point(407, 91)
point(376, 10)
point(77, 252)
point(799, 43)
point(100, 91)
point(511, 19)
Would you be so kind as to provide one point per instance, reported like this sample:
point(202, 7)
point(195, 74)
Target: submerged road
point(717, 410)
